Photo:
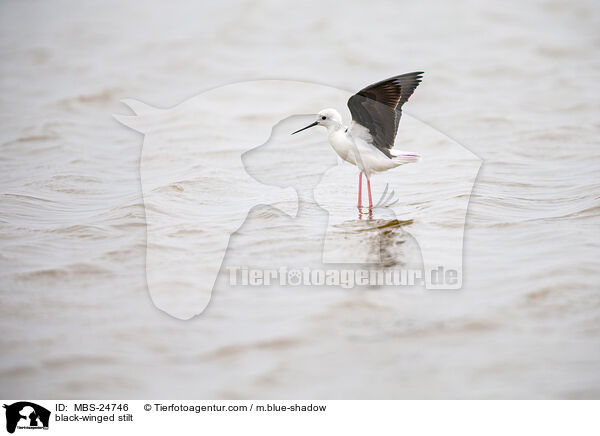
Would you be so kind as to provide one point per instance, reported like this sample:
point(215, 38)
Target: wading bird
point(368, 141)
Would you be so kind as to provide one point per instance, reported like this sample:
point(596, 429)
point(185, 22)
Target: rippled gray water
point(516, 83)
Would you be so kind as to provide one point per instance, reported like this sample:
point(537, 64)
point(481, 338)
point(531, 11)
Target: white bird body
point(368, 141)
point(353, 144)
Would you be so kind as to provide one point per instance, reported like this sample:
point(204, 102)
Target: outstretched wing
point(379, 107)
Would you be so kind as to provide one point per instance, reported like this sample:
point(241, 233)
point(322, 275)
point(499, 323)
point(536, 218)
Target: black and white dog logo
point(26, 415)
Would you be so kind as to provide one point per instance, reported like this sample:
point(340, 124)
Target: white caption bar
point(301, 417)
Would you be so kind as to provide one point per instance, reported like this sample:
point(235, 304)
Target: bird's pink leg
point(359, 190)
point(370, 198)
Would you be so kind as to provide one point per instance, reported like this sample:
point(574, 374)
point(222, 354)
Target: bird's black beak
point(307, 127)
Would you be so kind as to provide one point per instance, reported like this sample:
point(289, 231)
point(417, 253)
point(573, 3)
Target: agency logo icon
point(26, 415)
point(224, 180)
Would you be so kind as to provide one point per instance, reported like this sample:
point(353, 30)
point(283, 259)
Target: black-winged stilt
point(368, 141)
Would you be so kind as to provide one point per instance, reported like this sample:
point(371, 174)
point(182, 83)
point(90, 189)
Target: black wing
point(379, 107)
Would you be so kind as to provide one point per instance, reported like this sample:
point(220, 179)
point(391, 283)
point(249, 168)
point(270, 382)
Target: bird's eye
point(323, 118)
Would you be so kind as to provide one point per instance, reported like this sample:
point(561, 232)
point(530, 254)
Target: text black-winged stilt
point(368, 141)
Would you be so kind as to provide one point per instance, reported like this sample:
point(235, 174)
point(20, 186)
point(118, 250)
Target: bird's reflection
point(366, 212)
point(385, 237)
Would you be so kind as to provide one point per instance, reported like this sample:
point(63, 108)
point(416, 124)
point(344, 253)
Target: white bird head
point(326, 118)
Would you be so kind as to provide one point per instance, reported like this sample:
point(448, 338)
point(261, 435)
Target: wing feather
point(378, 107)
